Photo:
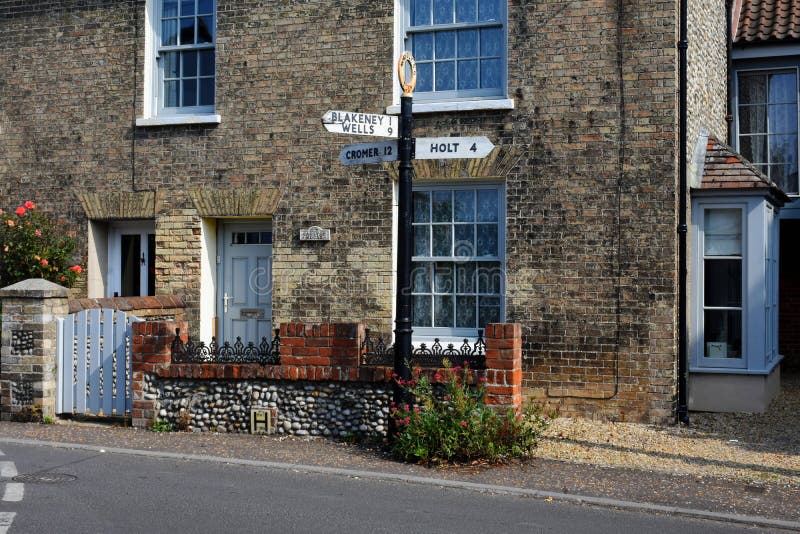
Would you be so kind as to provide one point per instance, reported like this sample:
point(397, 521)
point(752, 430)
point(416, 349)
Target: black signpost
point(430, 148)
point(403, 330)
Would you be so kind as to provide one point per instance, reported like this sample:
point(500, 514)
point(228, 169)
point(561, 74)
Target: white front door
point(245, 289)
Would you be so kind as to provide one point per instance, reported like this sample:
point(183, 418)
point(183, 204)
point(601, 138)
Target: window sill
point(456, 105)
point(177, 120)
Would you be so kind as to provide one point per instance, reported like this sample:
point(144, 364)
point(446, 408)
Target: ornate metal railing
point(265, 353)
point(377, 352)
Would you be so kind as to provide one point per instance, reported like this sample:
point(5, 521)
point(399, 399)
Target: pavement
point(769, 505)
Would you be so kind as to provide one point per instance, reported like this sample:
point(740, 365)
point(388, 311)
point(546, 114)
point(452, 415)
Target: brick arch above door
point(235, 202)
point(120, 205)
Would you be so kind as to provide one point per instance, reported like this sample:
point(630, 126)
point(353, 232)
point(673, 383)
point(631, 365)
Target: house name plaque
point(315, 233)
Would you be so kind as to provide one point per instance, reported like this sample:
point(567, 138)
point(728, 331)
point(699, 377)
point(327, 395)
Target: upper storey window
point(459, 47)
point(185, 56)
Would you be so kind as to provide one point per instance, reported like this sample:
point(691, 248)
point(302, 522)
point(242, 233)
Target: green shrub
point(34, 246)
point(160, 425)
point(455, 425)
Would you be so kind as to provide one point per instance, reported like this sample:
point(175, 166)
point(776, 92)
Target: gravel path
point(751, 448)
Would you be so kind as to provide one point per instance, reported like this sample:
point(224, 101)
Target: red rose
point(44, 262)
point(29, 205)
point(20, 211)
point(76, 269)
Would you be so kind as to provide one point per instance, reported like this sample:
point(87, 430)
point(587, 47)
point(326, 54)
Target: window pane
point(491, 42)
point(206, 62)
point(443, 11)
point(723, 283)
point(782, 88)
point(753, 119)
point(465, 278)
point(207, 91)
point(169, 8)
point(422, 47)
point(266, 238)
point(466, 11)
point(487, 240)
point(783, 119)
point(205, 6)
point(171, 65)
point(446, 76)
point(723, 333)
point(421, 204)
point(443, 278)
point(424, 77)
point(467, 43)
point(464, 245)
point(189, 92)
point(442, 206)
point(490, 278)
point(422, 240)
point(442, 240)
point(187, 31)
point(785, 176)
point(488, 10)
point(489, 311)
point(189, 64)
point(205, 29)
point(169, 32)
point(487, 205)
point(752, 89)
point(443, 311)
point(421, 278)
point(465, 312)
point(151, 264)
point(782, 148)
point(171, 94)
point(723, 232)
point(187, 7)
point(464, 206)
point(754, 148)
point(252, 238)
point(490, 73)
point(420, 13)
point(468, 74)
point(421, 311)
point(445, 45)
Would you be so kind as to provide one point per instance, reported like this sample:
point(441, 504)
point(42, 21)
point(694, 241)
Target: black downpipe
point(683, 46)
point(729, 61)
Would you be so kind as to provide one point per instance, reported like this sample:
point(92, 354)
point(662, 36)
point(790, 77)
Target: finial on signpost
point(408, 88)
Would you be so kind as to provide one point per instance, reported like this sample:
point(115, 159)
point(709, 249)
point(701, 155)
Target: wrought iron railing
point(265, 353)
point(377, 352)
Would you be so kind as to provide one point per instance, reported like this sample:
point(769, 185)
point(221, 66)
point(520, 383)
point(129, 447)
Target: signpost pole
point(403, 330)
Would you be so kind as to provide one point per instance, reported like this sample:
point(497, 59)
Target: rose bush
point(34, 246)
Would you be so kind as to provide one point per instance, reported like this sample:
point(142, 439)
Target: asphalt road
point(123, 493)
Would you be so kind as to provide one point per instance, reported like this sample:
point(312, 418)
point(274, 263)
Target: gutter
point(682, 414)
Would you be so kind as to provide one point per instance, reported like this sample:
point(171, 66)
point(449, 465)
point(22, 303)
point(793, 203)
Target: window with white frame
point(184, 50)
point(767, 124)
point(458, 259)
point(459, 47)
point(722, 283)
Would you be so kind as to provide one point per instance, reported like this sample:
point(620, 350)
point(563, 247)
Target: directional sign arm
point(452, 147)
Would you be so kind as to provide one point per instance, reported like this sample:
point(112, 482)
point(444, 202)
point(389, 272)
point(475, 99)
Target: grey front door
point(245, 283)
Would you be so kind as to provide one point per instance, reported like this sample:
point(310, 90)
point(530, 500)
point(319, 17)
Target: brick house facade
point(585, 126)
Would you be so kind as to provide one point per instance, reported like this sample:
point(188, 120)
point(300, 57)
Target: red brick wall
point(789, 288)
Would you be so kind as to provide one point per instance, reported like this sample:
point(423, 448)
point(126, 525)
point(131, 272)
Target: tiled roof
point(761, 21)
point(724, 168)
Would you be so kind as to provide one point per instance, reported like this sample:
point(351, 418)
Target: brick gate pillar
point(28, 356)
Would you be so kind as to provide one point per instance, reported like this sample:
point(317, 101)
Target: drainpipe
point(683, 229)
point(729, 71)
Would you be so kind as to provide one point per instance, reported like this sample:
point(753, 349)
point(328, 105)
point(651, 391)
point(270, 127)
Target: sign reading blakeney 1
point(348, 122)
point(452, 147)
point(368, 153)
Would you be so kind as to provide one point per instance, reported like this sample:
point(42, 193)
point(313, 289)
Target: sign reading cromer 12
point(349, 122)
point(368, 153)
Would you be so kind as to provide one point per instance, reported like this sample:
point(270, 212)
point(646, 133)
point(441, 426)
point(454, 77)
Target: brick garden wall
point(319, 388)
point(588, 156)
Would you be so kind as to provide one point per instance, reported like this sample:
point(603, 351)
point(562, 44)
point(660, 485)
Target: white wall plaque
point(315, 233)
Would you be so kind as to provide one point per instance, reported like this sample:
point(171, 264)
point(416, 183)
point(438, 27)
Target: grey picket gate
point(94, 363)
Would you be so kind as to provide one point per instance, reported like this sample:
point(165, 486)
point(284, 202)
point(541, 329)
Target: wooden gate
point(94, 363)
